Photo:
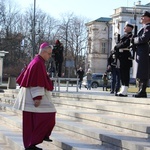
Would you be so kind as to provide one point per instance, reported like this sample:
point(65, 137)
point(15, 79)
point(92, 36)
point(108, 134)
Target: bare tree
point(17, 36)
point(10, 36)
point(44, 28)
point(72, 33)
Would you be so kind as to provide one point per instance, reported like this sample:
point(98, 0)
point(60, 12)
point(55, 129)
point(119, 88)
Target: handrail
point(67, 83)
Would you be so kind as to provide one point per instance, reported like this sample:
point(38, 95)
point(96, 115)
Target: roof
point(103, 19)
point(148, 4)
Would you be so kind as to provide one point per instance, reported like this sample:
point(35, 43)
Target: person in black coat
point(113, 66)
point(58, 56)
point(142, 41)
point(80, 74)
point(123, 55)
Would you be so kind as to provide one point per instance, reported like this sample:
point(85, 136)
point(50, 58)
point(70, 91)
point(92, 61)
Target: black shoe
point(116, 94)
point(111, 92)
point(33, 148)
point(30, 148)
point(140, 95)
point(37, 148)
point(48, 139)
point(122, 95)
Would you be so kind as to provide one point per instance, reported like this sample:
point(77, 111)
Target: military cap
point(146, 13)
point(129, 25)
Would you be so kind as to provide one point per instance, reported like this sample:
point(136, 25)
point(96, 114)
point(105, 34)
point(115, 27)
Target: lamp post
point(135, 16)
point(33, 53)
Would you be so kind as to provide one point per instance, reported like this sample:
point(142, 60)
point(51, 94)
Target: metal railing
point(57, 82)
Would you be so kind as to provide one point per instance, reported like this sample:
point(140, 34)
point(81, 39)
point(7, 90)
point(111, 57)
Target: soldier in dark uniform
point(123, 56)
point(142, 41)
point(58, 56)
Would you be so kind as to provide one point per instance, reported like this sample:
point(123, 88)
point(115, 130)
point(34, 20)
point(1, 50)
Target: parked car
point(96, 80)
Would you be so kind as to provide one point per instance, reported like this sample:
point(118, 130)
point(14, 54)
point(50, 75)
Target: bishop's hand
point(37, 103)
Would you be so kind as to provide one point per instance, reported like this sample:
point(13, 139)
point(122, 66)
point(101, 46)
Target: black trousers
point(125, 76)
point(59, 68)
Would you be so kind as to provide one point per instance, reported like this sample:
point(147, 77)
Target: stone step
point(11, 135)
point(8, 100)
point(122, 140)
point(135, 126)
point(117, 123)
point(94, 119)
point(117, 109)
point(4, 145)
point(89, 132)
point(13, 91)
point(110, 120)
point(60, 139)
point(100, 97)
point(103, 99)
point(140, 102)
point(10, 92)
point(12, 138)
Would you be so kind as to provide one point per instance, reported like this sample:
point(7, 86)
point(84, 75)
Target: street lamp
point(33, 53)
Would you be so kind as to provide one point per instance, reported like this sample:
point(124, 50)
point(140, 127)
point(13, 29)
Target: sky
point(90, 9)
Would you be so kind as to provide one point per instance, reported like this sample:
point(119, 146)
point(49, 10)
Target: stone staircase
point(85, 121)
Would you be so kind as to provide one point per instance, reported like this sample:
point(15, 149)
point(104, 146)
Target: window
point(103, 47)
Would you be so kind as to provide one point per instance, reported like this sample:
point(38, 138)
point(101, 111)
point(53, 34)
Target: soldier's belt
point(123, 49)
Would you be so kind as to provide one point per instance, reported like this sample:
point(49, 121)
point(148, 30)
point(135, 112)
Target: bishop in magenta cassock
point(34, 100)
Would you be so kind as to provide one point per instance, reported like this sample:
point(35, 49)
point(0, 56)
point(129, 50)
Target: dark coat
point(142, 54)
point(58, 53)
point(110, 59)
point(80, 74)
point(125, 63)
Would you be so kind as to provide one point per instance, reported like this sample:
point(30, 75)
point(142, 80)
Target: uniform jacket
point(124, 43)
point(142, 54)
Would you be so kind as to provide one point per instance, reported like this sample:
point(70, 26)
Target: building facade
point(102, 34)
point(99, 43)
